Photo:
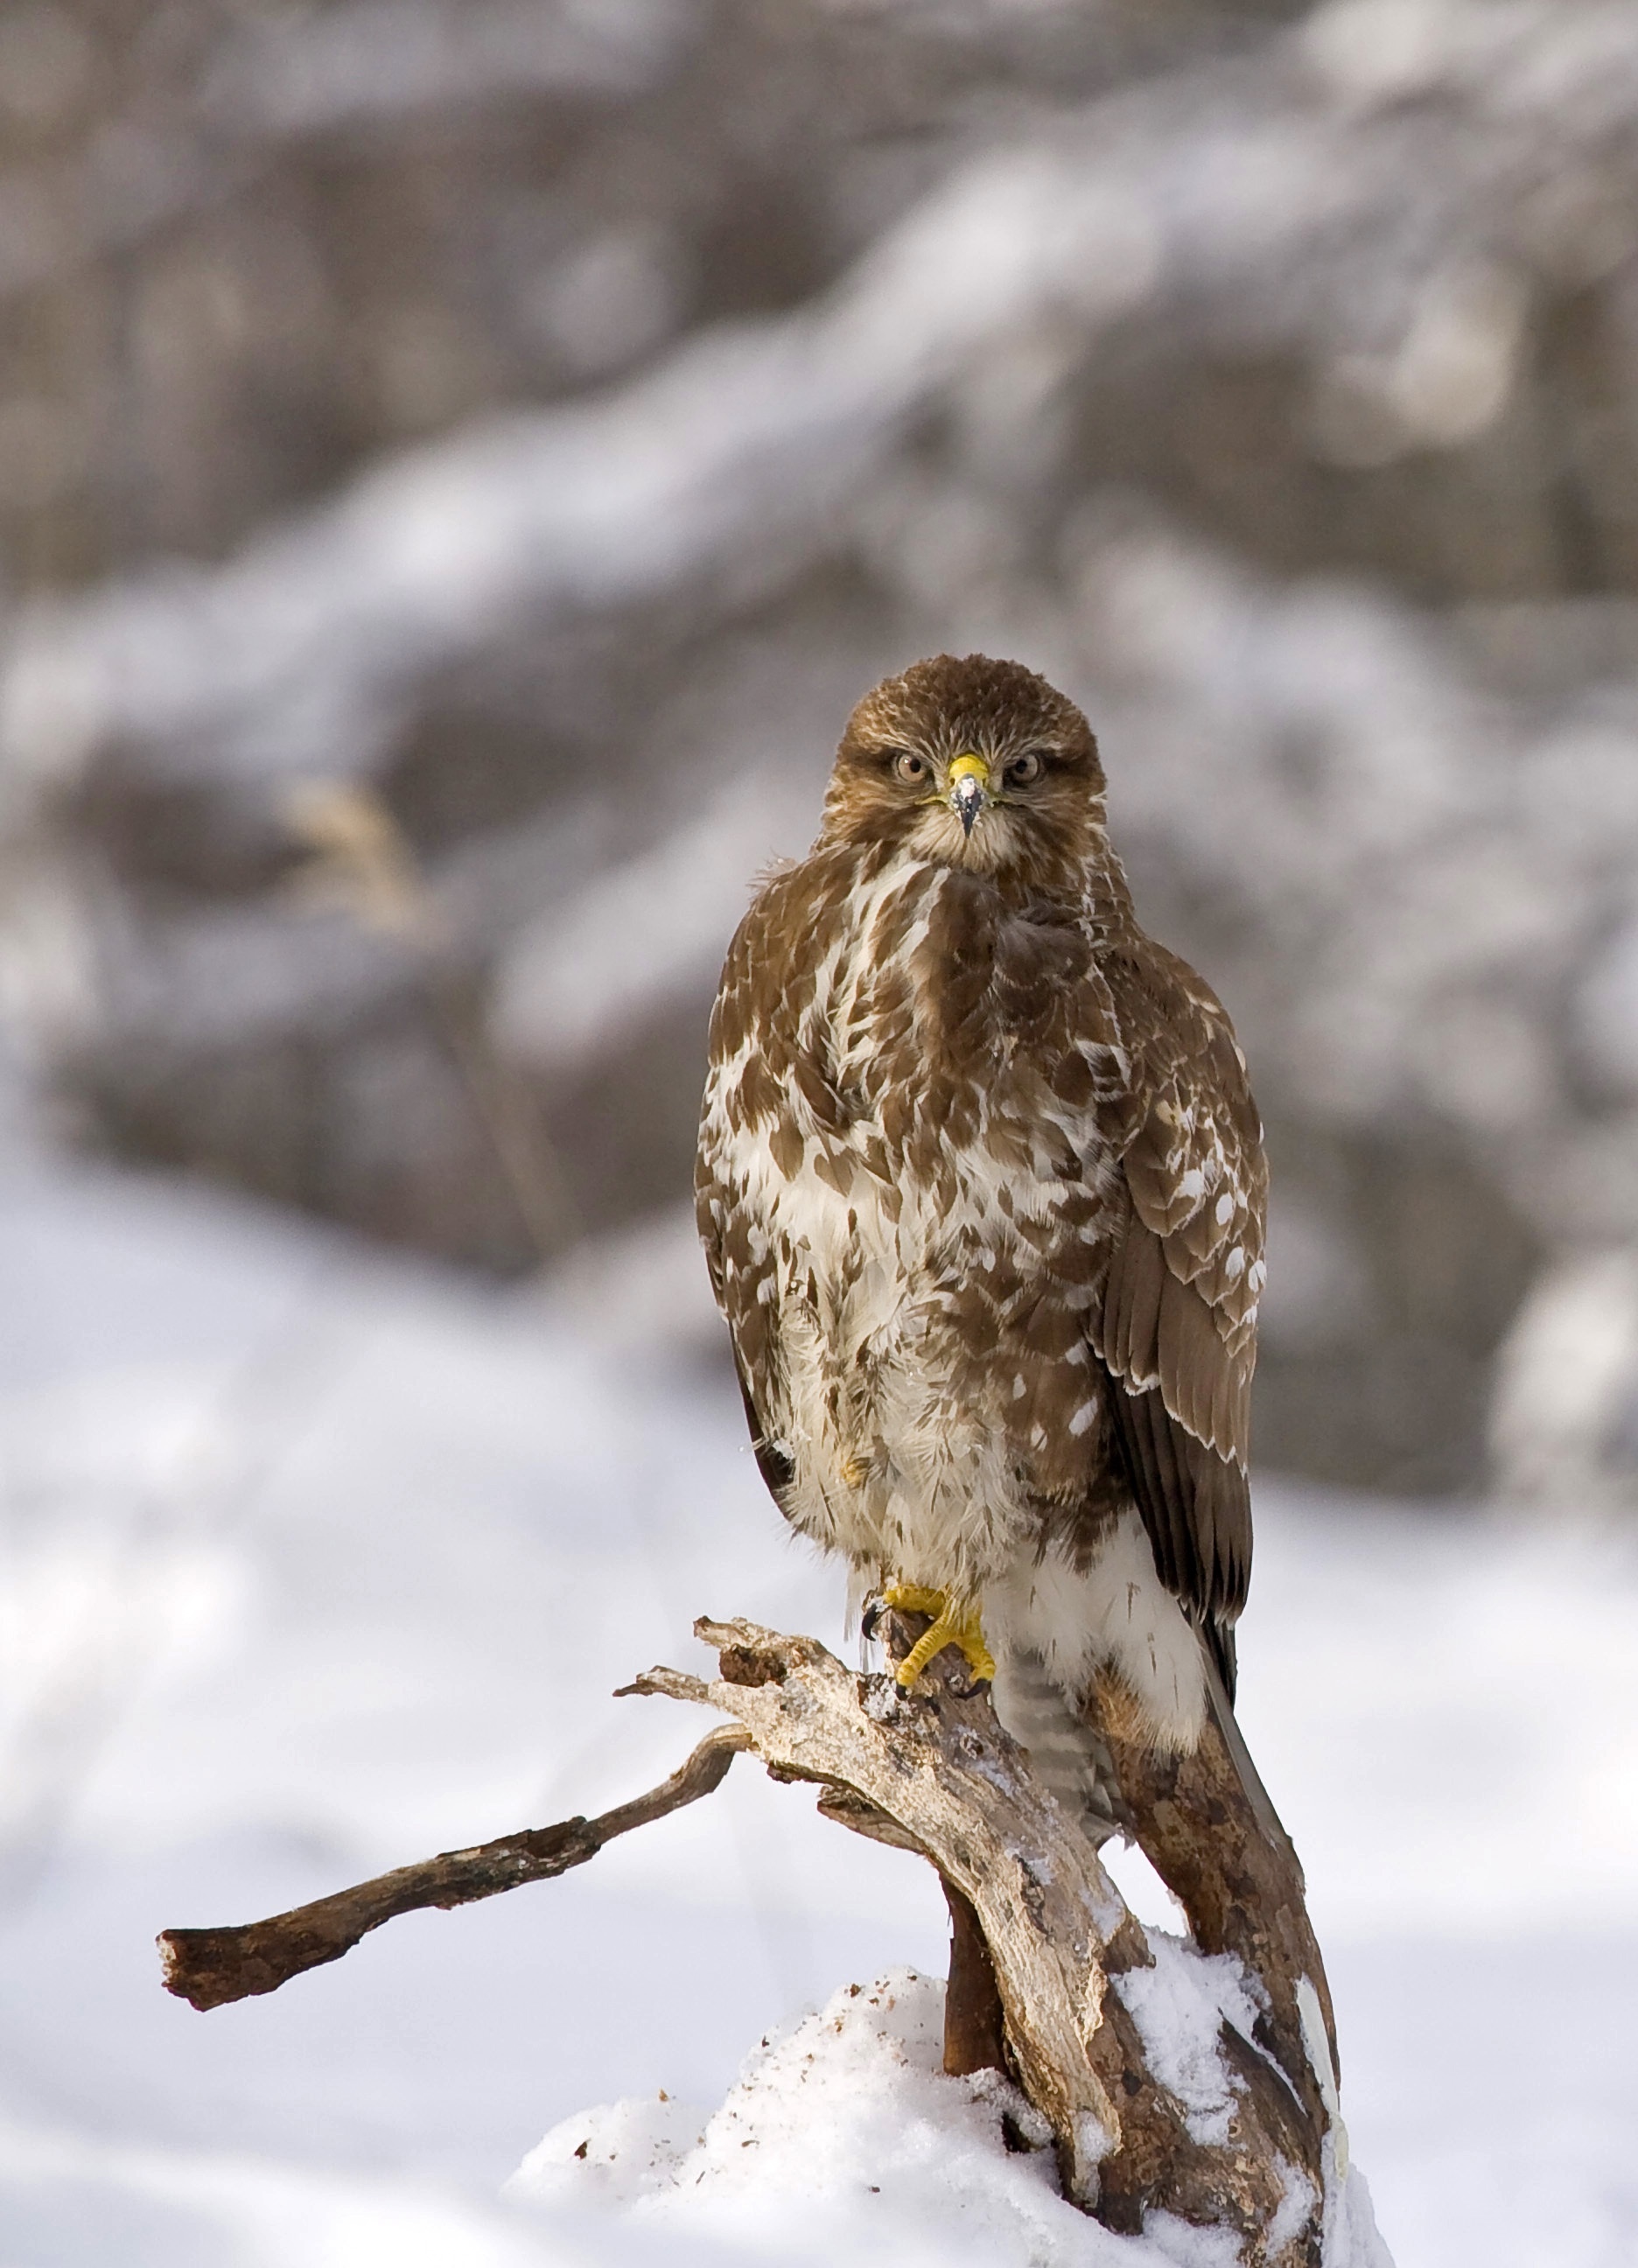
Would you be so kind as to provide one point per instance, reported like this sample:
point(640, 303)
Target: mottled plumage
point(982, 1189)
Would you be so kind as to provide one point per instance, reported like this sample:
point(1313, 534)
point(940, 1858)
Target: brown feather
point(1050, 1107)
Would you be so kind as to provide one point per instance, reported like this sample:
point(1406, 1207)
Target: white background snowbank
point(313, 1562)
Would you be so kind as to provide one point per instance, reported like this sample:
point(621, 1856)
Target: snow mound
point(844, 2135)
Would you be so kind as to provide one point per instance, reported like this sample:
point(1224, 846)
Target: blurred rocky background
point(461, 459)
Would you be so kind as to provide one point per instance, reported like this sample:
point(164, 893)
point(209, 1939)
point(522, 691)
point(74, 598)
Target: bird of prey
point(982, 1189)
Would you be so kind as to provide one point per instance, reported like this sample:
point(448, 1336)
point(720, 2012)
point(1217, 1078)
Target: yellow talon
point(914, 1599)
point(951, 1626)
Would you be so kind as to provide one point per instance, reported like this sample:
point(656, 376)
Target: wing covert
point(1177, 1331)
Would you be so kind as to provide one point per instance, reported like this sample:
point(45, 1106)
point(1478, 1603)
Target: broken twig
point(210, 1967)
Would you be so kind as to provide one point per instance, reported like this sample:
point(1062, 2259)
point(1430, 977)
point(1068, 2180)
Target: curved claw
point(961, 1627)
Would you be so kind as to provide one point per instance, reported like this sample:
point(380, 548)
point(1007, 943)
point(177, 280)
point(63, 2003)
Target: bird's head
point(970, 763)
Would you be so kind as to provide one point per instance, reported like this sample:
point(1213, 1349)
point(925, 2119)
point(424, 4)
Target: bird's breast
point(924, 1185)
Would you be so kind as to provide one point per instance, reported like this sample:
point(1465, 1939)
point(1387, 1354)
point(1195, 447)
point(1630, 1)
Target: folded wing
point(1177, 1327)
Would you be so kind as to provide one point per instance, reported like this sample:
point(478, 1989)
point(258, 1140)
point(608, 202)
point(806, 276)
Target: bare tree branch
point(210, 1967)
point(1046, 1967)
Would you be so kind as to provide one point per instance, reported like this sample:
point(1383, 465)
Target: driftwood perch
point(1041, 1939)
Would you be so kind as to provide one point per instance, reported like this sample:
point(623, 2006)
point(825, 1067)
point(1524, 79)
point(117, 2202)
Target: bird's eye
point(1021, 770)
point(907, 765)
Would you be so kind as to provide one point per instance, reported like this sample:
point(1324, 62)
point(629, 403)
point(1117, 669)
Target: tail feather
point(1066, 1752)
point(1073, 1761)
point(1219, 1645)
point(1256, 1794)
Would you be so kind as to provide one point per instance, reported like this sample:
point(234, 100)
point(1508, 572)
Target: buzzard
point(982, 1190)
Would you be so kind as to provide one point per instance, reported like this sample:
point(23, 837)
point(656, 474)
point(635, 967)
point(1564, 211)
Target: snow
point(848, 2118)
point(847, 2112)
point(647, 930)
point(1567, 1383)
point(314, 1561)
point(375, 59)
point(1265, 207)
point(1177, 2006)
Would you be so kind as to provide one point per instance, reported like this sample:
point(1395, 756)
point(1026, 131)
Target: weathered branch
point(1219, 1848)
point(209, 1966)
point(938, 1772)
point(1042, 1940)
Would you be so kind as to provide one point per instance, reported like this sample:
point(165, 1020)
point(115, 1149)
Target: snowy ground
point(313, 1561)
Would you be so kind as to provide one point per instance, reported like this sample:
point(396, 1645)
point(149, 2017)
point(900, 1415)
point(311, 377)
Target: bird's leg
point(914, 1599)
point(952, 1625)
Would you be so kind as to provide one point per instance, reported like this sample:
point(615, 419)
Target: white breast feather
point(1116, 1612)
point(902, 1480)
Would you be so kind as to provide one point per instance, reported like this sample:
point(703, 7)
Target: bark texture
point(975, 2022)
point(937, 1768)
point(1219, 1848)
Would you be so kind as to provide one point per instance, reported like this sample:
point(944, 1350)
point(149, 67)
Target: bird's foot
point(960, 1626)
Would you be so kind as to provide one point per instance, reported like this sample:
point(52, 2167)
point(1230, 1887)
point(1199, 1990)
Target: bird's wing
point(1177, 1330)
point(736, 1254)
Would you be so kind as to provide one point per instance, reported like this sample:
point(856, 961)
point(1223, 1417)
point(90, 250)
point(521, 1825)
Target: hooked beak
point(969, 790)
